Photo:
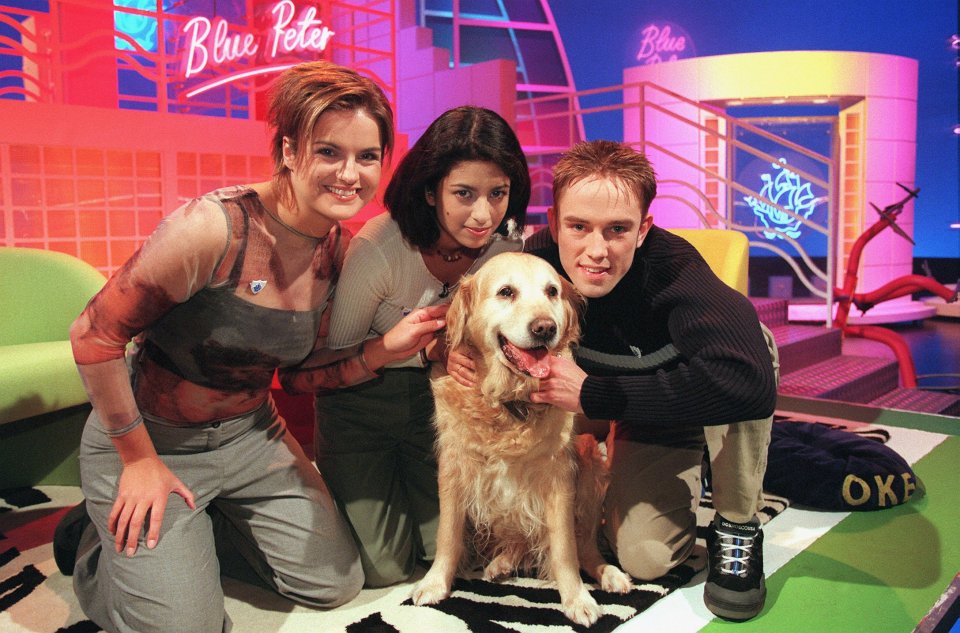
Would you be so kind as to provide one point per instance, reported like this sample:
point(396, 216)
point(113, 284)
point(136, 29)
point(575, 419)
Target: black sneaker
point(66, 537)
point(735, 588)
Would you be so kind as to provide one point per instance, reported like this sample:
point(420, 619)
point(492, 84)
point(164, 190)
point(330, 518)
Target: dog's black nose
point(543, 329)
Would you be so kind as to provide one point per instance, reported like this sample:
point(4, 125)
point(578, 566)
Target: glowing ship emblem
point(789, 192)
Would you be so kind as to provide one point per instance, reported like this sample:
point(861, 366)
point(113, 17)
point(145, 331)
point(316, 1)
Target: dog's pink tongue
point(534, 362)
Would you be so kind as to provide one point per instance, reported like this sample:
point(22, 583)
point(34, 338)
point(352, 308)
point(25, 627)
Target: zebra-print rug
point(36, 598)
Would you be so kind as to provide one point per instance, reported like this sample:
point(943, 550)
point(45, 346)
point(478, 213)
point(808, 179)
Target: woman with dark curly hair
point(458, 198)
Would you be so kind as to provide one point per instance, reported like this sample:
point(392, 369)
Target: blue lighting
point(141, 28)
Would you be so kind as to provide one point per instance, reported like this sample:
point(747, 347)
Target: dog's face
point(516, 311)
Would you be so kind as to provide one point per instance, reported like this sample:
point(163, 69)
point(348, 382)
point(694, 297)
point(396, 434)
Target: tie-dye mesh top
point(219, 297)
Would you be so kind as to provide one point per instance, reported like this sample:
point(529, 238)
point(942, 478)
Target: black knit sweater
point(720, 371)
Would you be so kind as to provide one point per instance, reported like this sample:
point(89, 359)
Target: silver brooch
point(257, 285)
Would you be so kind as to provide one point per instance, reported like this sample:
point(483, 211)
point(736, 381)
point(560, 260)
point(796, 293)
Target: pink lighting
point(308, 36)
point(210, 42)
point(660, 44)
point(225, 79)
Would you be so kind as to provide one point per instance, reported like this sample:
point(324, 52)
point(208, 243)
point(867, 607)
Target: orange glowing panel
point(148, 164)
point(121, 250)
point(26, 192)
point(89, 162)
point(61, 223)
point(58, 161)
point(149, 221)
point(122, 223)
point(119, 163)
point(95, 253)
point(25, 159)
point(93, 223)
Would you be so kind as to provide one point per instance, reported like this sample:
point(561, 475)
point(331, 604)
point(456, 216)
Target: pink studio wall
point(91, 180)
point(883, 91)
point(94, 182)
point(427, 86)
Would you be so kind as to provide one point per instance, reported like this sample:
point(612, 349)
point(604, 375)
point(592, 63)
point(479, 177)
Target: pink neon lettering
point(226, 46)
point(306, 36)
point(657, 41)
point(197, 30)
point(288, 36)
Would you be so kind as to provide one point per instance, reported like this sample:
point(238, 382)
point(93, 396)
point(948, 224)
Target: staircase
point(812, 365)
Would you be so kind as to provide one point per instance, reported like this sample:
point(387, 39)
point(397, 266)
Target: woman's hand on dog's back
point(414, 331)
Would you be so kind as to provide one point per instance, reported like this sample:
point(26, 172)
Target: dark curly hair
point(461, 134)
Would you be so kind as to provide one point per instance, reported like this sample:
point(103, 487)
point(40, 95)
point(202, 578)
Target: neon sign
point(210, 43)
point(659, 43)
point(788, 191)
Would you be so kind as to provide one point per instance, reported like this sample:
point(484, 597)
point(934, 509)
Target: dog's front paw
point(614, 580)
point(499, 568)
point(582, 609)
point(431, 590)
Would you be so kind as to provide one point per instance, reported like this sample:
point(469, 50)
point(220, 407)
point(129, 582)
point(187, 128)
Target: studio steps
point(813, 365)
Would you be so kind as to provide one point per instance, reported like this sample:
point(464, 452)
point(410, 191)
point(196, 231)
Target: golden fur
point(509, 468)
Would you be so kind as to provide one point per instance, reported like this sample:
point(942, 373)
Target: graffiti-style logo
point(787, 190)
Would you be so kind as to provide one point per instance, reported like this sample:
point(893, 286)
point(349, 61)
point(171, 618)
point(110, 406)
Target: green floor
point(875, 571)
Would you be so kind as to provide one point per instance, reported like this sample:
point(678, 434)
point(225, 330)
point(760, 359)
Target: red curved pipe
point(908, 372)
point(902, 286)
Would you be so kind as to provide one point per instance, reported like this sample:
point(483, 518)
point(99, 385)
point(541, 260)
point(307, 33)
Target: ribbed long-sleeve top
point(723, 371)
point(384, 278)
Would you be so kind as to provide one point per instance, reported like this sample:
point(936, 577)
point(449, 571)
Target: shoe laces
point(735, 551)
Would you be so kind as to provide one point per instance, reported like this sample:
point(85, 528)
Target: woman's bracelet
point(363, 361)
point(423, 357)
point(137, 421)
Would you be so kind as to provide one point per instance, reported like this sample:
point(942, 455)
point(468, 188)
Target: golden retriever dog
point(509, 468)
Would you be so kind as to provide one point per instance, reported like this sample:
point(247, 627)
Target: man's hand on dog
point(561, 387)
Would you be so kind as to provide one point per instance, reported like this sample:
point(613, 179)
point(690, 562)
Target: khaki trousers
point(650, 509)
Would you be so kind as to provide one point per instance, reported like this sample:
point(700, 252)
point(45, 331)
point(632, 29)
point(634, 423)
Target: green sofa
point(43, 404)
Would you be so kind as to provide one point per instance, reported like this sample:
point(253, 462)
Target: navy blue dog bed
point(832, 469)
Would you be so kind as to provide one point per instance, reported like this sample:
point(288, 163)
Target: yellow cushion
point(727, 253)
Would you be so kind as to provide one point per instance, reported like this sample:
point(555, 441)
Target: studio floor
point(875, 572)
point(878, 572)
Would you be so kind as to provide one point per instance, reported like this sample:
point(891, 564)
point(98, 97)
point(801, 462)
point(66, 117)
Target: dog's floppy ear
point(574, 304)
point(458, 312)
